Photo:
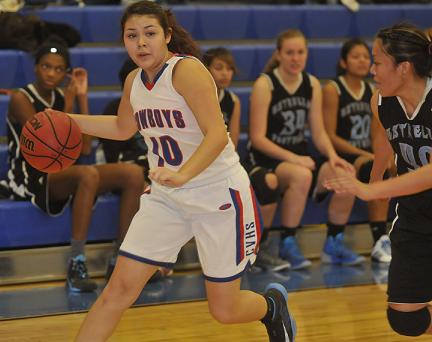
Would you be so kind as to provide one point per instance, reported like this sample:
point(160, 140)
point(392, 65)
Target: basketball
point(50, 142)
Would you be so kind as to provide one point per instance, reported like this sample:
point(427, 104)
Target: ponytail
point(271, 63)
point(181, 40)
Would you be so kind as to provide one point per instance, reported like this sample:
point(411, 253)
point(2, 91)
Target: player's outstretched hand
point(167, 177)
point(347, 183)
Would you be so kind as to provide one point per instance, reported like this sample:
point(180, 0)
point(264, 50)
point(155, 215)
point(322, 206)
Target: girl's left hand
point(80, 80)
point(166, 177)
point(336, 161)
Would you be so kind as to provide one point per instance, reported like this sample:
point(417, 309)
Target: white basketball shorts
point(223, 217)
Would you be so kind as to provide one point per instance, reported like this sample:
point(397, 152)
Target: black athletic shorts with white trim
point(410, 272)
point(271, 165)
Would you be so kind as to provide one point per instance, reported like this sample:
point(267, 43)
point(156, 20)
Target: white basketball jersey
point(170, 129)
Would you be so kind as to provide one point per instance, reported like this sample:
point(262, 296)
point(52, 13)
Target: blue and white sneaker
point(336, 253)
point(381, 251)
point(78, 279)
point(282, 326)
point(290, 250)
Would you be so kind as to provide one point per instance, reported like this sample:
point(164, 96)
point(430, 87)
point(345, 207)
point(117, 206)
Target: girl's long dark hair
point(181, 41)
point(223, 54)
point(407, 43)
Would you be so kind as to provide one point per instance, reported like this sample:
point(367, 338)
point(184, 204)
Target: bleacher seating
point(250, 59)
point(4, 100)
point(326, 26)
point(15, 230)
point(210, 22)
point(4, 166)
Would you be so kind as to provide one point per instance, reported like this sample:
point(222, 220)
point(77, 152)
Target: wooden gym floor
point(355, 313)
point(329, 304)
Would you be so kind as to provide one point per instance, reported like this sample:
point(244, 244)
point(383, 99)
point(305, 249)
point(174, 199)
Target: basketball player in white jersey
point(402, 70)
point(199, 188)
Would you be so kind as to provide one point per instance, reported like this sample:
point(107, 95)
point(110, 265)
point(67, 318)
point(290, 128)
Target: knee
point(89, 177)
point(118, 292)
point(222, 313)
point(412, 323)
point(266, 186)
point(271, 181)
point(302, 180)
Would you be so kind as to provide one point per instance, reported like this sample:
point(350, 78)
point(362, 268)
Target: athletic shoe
point(281, 327)
point(269, 262)
point(381, 251)
point(289, 250)
point(78, 279)
point(335, 252)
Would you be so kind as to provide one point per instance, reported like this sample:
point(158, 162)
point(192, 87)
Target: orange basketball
point(50, 142)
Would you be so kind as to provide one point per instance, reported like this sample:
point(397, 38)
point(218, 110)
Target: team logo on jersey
point(248, 233)
point(160, 118)
point(225, 206)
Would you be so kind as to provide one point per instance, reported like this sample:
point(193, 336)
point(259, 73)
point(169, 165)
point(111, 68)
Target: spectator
point(79, 184)
point(284, 99)
point(348, 117)
point(220, 62)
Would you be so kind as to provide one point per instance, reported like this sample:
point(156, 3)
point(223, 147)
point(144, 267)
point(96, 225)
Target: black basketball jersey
point(411, 140)
point(287, 115)
point(132, 150)
point(24, 180)
point(354, 114)
point(226, 103)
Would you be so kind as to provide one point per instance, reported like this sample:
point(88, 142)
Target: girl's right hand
point(305, 161)
point(166, 177)
point(348, 184)
point(70, 89)
point(80, 80)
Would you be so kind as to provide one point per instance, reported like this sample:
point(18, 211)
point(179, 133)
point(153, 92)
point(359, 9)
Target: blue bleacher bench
point(212, 22)
point(24, 225)
point(4, 165)
point(4, 101)
point(103, 64)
